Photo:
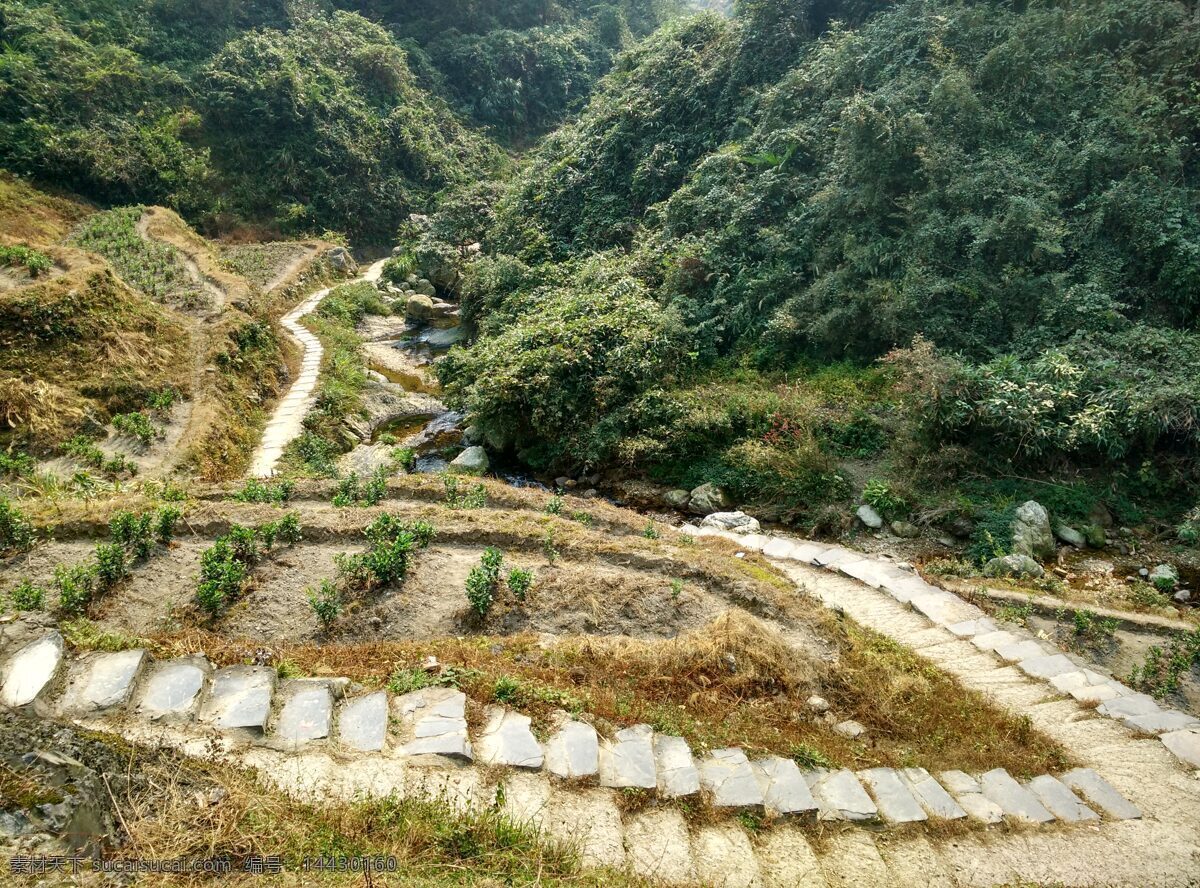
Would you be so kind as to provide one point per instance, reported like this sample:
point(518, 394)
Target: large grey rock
point(507, 740)
point(1060, 801)
point(895, 801)
point(171, 689)
point(728, 776)
point(677, 499)
point(1185, 745)
point(363, 722)
point(1070, 536)
point(240, 697)
point(783, 786)
point(341, 260)
point(1089, 784)
point(573, 751)
point(31, 670)
point(1164, 575)
point(1014, 799)
point(102, 681)
point(708, 498)
point(1016, 565)
point(434, 723)
point(472, 461)
point(931, 794)
point(307, 712)
point(840, 796)
point(1134, 704)
point(969, 794)
point(849, 729)
point(905, 530)
point(677, 772)
point(868, 516)
point(418, 308)
point(1031, 532)
point(734, 522)
point(627, 761)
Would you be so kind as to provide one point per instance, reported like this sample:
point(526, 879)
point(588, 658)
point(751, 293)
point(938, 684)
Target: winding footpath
point(1129, 815)
point(287, 421)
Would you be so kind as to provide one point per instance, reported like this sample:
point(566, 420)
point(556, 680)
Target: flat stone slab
point(628, 760)
point(1162, 722)
point(363, 722)
point(1185, 745)
point(895, 801)
point(1134, 704)
point(931, 794)
point(677, 772)
point(971, 628)
point(171, 689)
point(989, 641)
point(102, 681)
point(1089, 784)
point(728, 776)
point(507, 740)
point(783, 786)
point(1014, 799)
point(573, 751)
point(1020, 650)
point(904, 589)
point(840, 796)
point(31, 669)
point(873, 573)
point(240, 697)
point(835, 557)
point(969, 794)
point(1060, 801)
point(783, 549)
point(307, 712)
point(435, 723)
point(805, 551)
point(1047, 666)
point(1089, 686)
point(944, 608)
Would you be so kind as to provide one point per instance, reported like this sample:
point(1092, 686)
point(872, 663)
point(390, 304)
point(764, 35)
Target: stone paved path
point(286, 423)
point(1129, 816)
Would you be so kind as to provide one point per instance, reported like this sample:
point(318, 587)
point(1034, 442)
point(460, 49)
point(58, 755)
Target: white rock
point(31, 669)
point(868, 516)
point(573, 751)
point(735, 522)
point(507, 740)
point(677, 772)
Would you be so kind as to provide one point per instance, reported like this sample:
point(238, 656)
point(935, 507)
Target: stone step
point(433, 722)
point(895, 800)
point(730, 780)
point(931, 795)
point(678, 775)
point(31, 670)
point(1089, 784)
point(101, 681)
point(1017, 802)
point(783, 786)
point(306, 713)
point(1060, 801)
point(363, 722)
point(840, 796)
point(508, 740)
point(239, 697)
point(627, 761)
point(573, 751)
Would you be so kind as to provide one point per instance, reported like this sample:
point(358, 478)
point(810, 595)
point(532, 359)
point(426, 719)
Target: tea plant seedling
point(27, 597)
point(519, 582)
point(326, 603)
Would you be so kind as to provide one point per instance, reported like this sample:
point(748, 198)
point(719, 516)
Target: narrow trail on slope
point(287, 420)
point(290, 268)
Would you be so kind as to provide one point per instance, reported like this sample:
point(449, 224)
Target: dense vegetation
point(285, 116)
point(1002, 197)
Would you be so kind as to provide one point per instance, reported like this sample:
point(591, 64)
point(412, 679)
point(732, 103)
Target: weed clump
point(483, 581)
point(473, 498)
point(136, 425)
point(256, 491)
point(16, 533)
point(27, 597)
point(352, 491)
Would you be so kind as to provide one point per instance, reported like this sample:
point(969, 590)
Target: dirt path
point(287, 421)
point(291, 268)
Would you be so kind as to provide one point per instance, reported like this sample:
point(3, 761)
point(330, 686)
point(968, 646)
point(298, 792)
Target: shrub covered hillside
point(516, 66)
point(271, 113)
point(1005, 192)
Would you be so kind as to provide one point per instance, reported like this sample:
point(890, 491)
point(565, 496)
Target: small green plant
point(1160, 672)
point(245, 543)
point(352, 491)
point(27, 597)
point(1143, 594)
point(549, 548)
point(555, 505)
point(583, 518)
point(519, 582)
point(1091, 627)
point(473, 498)
point(651, 530)
point(880, 496)
point(808, 757)
point(222, 576)
point(676, 588)
point(168, 491)
point(405, 681)
point(326, 603)
point(286, 669)
point(16, 465)
point(135, 533)
point(111, 566)
point(482, 581)
point(19, 255)
point(404, 458)
point(136, 425)
point(287, 529)
point(506, 690)
point(163, 400)
point(1015, 613)
point(16, 533)
point(256, 491)
point(75, 586)
point(165, 520)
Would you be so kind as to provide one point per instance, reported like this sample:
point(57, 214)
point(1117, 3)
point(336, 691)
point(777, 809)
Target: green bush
point(353, 492)
point(256, 491)
point(222, 576)
point(136, 425)
point(135, 533)
point(16, 533)
point(76, 586)
point(35, 261)
point(881, 496)
point(111, 566)
point(326, 603)
point(520, 581)
point(27, 597)
point(483, 581)
point(165, 520)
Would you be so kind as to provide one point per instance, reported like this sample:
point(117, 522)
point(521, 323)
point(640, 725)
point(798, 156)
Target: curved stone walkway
point(287, 421)
point(1129, 816)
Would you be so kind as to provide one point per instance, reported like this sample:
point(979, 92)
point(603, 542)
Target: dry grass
point(732, 683)
point(31, 216)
